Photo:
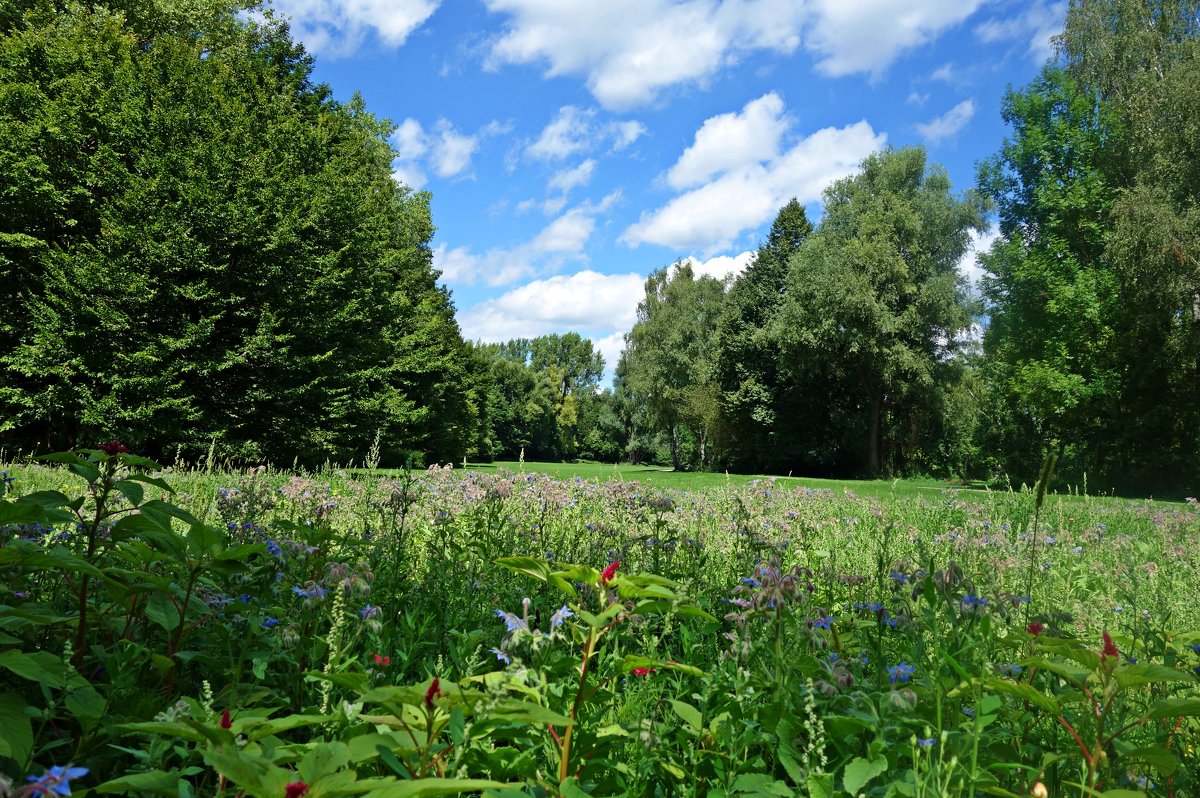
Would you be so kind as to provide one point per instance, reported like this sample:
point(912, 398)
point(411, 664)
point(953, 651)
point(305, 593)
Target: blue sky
point(573, 146)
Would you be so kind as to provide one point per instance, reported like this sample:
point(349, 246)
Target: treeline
point(854, 348)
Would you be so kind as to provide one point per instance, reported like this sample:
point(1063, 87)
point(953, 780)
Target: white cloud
point(630, 50)
point(1037, 24)
point(446, 151)
point(868, 35)
point(749, 194)
point(948, 124)
point(917, 99)
point(610, 348)
point(944, 73)
point(625, 133)
point(337, 27)
point(561, 241)
point(968, 265)
point(721, 266)
point(568, 133)
point(587, 301)
point(568, 179)
point(731, 140)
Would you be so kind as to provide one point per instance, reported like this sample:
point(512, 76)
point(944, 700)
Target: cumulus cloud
point(867, 36)
point(730, 140)
point(568, 179)
point(444, 149)
point(336, 28)
point(1036, 25)
point(948, 124)
point(561, 241)
point(630, 50)
point(721, 266)
point(587, 301)
point(574, 130)
point(743, 195)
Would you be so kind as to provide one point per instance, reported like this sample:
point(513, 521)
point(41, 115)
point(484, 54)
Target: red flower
point(1110, 648)
point(434, 691)
point(113, 448)
point(295, 789)
point(643, 671)
point(609, 572)
point(1035, 628)
point(381, 660)
point(226, 721)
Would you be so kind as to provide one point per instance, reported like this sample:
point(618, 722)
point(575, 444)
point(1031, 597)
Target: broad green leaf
point(860, 771)
point(761, 784)
point(31, 555)
point(322, 760)
point(40, 666)
point(1156, 756)
point(131, 490)
point(17, 740)
point(1023, 691)
point(820, 785)
point(154, 782)
point(1149, 673)
point(423, 788)
point(1174, 708)
point(690, 715)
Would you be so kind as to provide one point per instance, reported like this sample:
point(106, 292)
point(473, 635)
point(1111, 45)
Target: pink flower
point(113, 448)
point(1035, 628)
point(382, 660)
point(642, 671)
point(608, 573)
point(226, 720)
point(295, 789)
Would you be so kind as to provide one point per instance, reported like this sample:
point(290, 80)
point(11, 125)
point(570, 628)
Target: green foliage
point(875, 312)
point(198, 237)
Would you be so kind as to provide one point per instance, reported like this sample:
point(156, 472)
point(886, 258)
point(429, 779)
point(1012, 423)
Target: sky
point(572, 147)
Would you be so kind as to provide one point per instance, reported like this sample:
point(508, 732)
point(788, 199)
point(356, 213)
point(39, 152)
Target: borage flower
point(55, 781)
point(900, 673)
point(560, 615)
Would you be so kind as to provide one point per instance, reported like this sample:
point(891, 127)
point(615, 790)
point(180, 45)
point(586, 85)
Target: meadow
point(501, 632)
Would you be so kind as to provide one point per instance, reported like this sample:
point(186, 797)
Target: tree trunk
point(874, 432)
point(703, 448)
point(674, 434)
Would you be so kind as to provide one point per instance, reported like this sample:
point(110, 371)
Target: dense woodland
point(201, 251)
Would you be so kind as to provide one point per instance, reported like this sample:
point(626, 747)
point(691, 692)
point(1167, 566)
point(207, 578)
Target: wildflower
point(369, 612)
point(295, 789)
point(267, 623)
point(310, 592)
point(609, 572)
point(559, 616)
point(112, 449)
point(1195, 647)
point(434, 691)
point(382, 659)
point(900, 673)
point(55, 781)
point(971, 600)
point(226, 720)
point(1110, 648)
point(273, 549)
point(512, 621)
point(501, 656)
point(1035, 628)
point(1010, 669)
point(823, 622)
point(642, 671)
point(925, 742)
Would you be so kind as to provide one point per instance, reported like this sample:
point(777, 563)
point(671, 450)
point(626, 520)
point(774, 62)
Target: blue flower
point(900, 673)
point(369, 612)
point(561, 615)
point(925, 742)
point(1010, 669)
point(55, 781)
point(501, 656)
point(267, 623)
point(1195, 647)
point(823, 622)
point(512, 621)
point(273, 548)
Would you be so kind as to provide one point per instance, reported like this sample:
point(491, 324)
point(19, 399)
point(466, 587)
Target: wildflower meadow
point(185, 632)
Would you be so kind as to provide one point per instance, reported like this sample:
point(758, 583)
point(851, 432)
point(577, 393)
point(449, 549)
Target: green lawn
point(665, 477)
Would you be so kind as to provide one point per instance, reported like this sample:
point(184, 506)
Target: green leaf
point(322, 760)
point(690, 715)
point(253, 774)
point(1174, 708)
point(420, 788)
point(154, 782)
point(820, 785)
point(631, 661)
point(87, 705)
point(1023, 691)
point(40, 666)
point(131, 490)
point(860, 772)
point(1149, 673)
point(1157, 757)
point(17, 740)
point(30, 555)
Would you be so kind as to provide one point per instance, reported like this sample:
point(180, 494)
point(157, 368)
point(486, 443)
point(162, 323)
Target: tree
point(1095, 282)
point(758, 407)
point(668, 362)
point(875, 307)
point(199, 237)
